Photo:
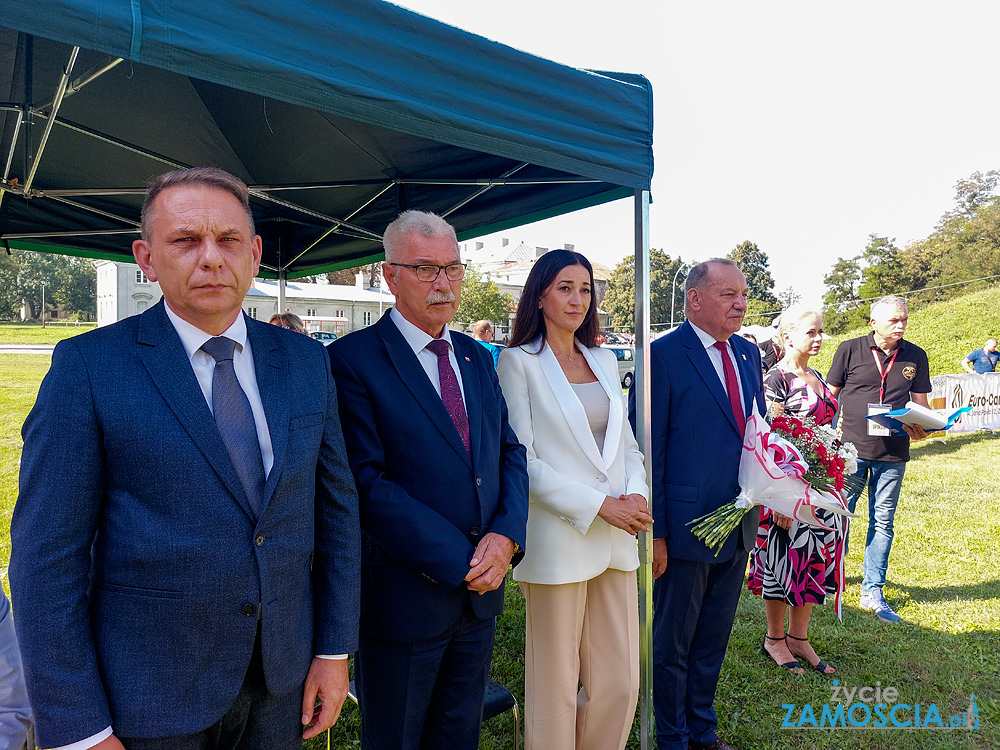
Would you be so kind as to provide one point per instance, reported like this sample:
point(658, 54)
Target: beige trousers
point(581, 662)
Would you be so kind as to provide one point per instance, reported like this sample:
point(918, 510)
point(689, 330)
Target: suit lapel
point(748, 379)
point(570, 406)
point(703, 364)
point(166, 361)
point(271, 366)
point(415, 379)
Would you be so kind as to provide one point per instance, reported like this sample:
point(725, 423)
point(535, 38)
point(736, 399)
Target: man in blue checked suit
point(443, 489)
point(705, 381)
point(185, 544)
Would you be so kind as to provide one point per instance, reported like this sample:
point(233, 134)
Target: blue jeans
point(884, 478)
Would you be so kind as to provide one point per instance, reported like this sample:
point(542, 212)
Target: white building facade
point(124, 290)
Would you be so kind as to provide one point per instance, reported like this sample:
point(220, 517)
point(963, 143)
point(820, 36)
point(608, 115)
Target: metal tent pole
point(56, 103)
point(643, 436)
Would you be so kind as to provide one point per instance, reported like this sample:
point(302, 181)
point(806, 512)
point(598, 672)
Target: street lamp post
point(673, 294)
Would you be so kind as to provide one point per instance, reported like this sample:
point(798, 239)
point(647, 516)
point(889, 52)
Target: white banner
point(981, 392)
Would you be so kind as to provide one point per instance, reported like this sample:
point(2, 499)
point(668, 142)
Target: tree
point(348, 276)
point(760, 313)
point(483, 300)
point(69, 282)
point(789, 297)
point(839, 303)
point(754, 264)
point(881, 271)
point(76, 287)
point(619, 301)
point(973, 193)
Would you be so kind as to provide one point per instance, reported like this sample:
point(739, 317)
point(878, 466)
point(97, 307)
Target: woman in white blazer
point(587, 500)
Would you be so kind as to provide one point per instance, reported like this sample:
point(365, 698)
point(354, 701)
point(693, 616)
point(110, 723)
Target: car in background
point(325, 337)
point(626, 363)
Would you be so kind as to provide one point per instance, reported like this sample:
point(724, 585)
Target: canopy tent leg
point(282, 275)
point(10, 154)
point(643, 436)
point(56, 103)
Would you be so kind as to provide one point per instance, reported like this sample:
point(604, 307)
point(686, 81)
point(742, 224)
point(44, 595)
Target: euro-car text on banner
point(981, 392)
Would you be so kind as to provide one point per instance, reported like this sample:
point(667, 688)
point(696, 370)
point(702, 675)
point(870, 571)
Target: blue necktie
point(234, 418)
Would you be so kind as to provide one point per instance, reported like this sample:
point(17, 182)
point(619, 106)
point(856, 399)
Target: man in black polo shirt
point(877, 373)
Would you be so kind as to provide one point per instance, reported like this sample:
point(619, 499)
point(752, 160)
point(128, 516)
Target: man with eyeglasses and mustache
point(443, 491)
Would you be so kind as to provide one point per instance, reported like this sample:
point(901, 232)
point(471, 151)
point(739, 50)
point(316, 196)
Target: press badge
point(874, 428)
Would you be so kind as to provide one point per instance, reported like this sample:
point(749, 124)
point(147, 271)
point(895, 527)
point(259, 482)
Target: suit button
point(259, 540)
point(479, 481)
point(474, 531)
point(249, 610)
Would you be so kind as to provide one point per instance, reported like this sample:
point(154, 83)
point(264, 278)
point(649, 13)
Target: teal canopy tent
point(338, 113)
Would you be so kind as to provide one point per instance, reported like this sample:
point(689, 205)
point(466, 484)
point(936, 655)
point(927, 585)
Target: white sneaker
point(873, 601)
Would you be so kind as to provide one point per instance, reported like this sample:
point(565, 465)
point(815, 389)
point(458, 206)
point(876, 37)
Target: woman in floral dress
point(794, 565)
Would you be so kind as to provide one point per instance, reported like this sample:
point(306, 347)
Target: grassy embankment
point(944, 579)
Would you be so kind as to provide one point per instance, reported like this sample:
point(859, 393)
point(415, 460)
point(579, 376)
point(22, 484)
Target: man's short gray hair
point(887, 301)
point(481, 327)
point(410, 222)
point(697, 275)
point(211, 177)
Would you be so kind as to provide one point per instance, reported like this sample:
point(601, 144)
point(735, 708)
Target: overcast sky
point(802, 126)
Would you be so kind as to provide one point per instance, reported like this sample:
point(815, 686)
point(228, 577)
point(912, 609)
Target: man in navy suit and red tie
point(704, 383)
point(443, 489)
point(185, 543)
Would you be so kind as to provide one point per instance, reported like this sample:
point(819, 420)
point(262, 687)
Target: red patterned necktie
point(732, 386)
point(451, 394)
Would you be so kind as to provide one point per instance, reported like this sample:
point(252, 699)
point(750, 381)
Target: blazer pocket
point(492, 405)
point(306, 420)
point(681, 493)
point(118, 588)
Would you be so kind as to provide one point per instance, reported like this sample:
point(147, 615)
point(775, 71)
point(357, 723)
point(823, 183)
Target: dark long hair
point(529, 321)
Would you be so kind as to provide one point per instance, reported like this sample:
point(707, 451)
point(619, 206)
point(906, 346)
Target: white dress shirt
point(418, 341)
point(708, 341)
point(203, 365)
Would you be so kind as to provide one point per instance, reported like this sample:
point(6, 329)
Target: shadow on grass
point(931, 594)
point(940, 446)
point(924, 664)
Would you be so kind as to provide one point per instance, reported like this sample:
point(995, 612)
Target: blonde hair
point(288, 320)
point(791, 318)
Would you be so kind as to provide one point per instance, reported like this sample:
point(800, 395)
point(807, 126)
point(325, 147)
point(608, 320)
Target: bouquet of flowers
point(793, 468)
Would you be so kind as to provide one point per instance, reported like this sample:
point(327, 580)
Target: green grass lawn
point(944, 579)
point(947, 331)
point(34, 333)
point(20, 376)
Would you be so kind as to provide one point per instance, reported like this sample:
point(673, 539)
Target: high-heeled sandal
point(789, 665)
point(820, 666)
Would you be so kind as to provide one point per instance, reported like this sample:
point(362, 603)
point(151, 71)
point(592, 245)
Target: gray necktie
point(234, 419)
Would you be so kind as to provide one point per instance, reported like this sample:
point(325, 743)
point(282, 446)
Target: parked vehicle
point(626, 363)
point(326, 337)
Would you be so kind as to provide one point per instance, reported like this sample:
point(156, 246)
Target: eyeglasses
point(453, 272)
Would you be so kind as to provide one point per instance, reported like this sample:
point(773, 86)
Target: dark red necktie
point(732, 386)
point(451, 394)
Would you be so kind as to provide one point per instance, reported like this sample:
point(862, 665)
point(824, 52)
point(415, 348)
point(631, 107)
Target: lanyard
point(883, 375)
